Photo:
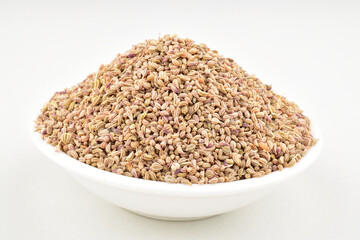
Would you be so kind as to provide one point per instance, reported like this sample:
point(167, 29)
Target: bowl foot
point(174, 219)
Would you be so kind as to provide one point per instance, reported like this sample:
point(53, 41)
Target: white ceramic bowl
point(176, 202)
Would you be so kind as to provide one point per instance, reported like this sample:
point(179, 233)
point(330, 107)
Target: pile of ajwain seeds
point(174, 111)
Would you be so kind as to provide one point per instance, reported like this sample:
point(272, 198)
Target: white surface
point(308, 50)
point(177, 202)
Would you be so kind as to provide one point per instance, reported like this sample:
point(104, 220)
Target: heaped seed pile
point(175, 111)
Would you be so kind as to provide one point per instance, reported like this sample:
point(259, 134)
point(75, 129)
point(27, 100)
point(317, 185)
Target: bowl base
point(174, 219)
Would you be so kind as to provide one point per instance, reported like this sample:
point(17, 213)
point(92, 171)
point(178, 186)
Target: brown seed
point(73, 154)
point(148, 157)
point(156, 167)
point(213, 180)
point(209, 174)
point(152, 176)
point(264, 146)
point(66, 138)
point(190, 148)
point(134, 145)
point(226, 150)
point(236, 158)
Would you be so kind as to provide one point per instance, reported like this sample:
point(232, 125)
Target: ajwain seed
point(175, 111)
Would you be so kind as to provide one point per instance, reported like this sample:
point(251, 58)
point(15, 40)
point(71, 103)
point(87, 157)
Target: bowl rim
point(77, 168)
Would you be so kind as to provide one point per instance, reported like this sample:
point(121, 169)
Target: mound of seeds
point(174, 111)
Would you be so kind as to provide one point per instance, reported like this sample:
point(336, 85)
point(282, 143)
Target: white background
point(307, 50)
